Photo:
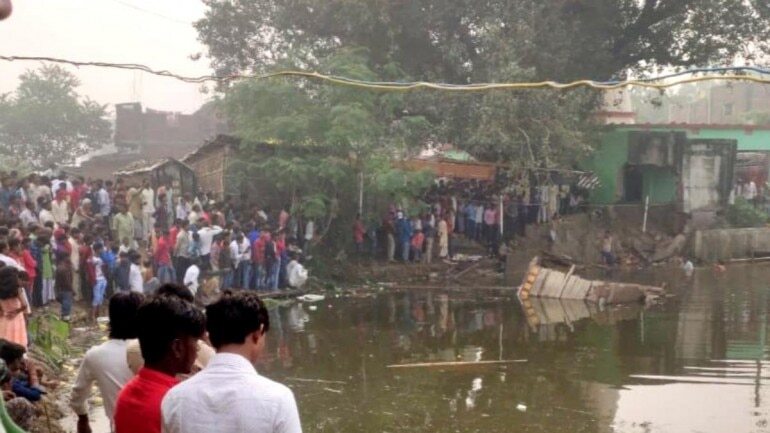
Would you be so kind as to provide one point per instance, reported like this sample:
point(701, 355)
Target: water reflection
point(622, 369)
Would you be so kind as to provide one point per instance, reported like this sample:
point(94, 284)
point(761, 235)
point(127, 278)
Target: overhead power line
point(737, 73)
point(149, 12)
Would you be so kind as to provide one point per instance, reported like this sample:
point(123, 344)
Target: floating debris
point(542, 282)
point(311, 298)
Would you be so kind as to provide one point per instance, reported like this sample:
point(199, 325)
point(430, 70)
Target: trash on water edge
point(311, 298)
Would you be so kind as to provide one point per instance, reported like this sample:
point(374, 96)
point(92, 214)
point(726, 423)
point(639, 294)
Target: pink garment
point(15, 329)
point(490, 217)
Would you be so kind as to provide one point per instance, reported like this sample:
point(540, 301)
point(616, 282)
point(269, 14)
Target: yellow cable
point(398, 87)
point(512, 86)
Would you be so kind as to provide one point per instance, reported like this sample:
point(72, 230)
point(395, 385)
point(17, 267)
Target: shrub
point(744, 214)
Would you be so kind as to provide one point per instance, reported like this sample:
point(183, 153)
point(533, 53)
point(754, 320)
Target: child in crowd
point(125, 246)
point(100, 284)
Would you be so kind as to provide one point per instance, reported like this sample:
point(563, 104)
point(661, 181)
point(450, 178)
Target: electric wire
point(737, 73)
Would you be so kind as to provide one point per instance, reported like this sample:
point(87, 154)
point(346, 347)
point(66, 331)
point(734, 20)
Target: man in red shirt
point(258, 258)
point(173, 232)
point(169, 329)
point(162, 256)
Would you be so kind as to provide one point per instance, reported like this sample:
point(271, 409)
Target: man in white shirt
point(244, 261)
point(27, 216)
point(148, 209)
point(106, 363)
point(60, 209)
point(135, 280)
point(194, 215)
point(207, 234)
point(236, 256)
point(45, 214)
point(182, 208)
point(229, 396)
point(309, 234)
point(190, 279)
point(105, 207)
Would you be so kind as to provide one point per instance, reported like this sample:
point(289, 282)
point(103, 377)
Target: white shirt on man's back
point(229, 396)
point(206, 235)
point(106, 365)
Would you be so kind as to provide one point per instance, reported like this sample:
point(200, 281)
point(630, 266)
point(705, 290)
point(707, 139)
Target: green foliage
point(744, 214)
point(461, 40)
point(51, 338)
point(348, 131)
point(324, 138)
point(45, 121)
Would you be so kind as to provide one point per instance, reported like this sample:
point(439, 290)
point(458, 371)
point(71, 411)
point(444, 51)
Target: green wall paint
point(607, 163)
point(659, 183)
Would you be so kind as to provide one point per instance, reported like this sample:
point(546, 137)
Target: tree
point(461, 41)
point(46, 121)
point(349, 139)
point(468, 40)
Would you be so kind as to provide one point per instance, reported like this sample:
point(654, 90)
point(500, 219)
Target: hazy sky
point(157, 33)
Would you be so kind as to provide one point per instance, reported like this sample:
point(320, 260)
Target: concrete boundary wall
point(728, 244)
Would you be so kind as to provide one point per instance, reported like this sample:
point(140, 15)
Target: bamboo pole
point(456, 363)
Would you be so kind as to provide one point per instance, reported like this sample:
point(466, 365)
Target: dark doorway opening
point(632, 184)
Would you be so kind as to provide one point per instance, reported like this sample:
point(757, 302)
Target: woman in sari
point(13, 325)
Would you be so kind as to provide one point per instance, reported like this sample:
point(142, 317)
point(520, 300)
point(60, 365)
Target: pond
point(697, 363)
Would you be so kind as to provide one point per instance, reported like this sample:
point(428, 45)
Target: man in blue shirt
point(404, 228)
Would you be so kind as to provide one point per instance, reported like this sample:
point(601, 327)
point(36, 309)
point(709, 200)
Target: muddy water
point(696, 364)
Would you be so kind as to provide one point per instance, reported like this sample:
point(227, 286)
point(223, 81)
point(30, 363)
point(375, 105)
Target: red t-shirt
point(138, 405)
point(163, 252)
point(417, 240)
point(258, 249)
point(172, 234)
point(358, 232)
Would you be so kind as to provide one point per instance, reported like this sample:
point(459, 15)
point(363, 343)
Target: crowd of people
point(479, 211)
point(86, 240)
point(64, 239)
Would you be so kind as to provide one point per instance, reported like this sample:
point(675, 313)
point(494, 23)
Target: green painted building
point(690, 165)
point(750, 138)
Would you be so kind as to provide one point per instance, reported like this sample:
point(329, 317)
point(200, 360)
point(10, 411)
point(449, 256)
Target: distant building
point(159, 134)
point(727, 104)
point(212, 163)
point(150, 135)
point(669, 166)
point(163, 172)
